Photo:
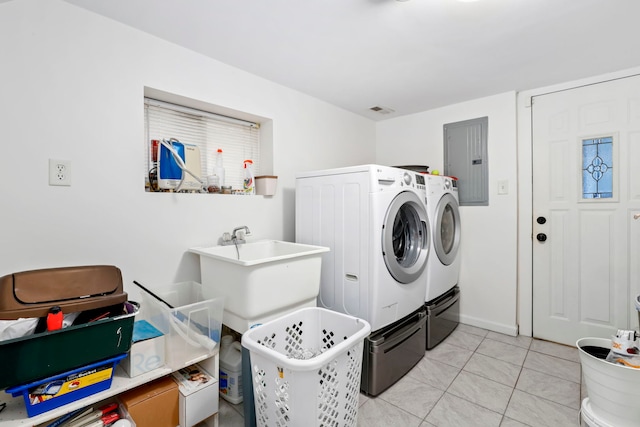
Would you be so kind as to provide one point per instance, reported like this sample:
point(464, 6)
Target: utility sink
point(260, 280)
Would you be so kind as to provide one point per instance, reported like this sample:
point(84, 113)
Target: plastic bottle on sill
point(249, 180)
point(219, 169)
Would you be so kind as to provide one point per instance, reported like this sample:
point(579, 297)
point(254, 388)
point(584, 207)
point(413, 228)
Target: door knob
point(541, 237)
point(636, 216)
point(541, 220)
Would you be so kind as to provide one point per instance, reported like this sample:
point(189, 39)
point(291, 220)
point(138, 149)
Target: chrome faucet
point(234, 236)
point(237, 236)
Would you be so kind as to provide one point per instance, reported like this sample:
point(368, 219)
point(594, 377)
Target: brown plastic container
point(33, 293)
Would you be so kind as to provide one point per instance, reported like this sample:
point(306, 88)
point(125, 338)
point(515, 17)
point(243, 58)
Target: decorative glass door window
point(597, 168)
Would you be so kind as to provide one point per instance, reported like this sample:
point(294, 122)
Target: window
point(597, 168)
point(238, 139)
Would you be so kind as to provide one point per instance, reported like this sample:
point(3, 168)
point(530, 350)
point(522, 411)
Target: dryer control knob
point(407, 178)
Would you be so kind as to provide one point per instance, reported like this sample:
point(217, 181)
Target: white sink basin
point(260, 280)
point(259, 252)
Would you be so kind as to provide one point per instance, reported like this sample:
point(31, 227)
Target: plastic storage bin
point(306, 368)
point(100, 340)
point(614, 390)
point(55, 391)
point(190, 323)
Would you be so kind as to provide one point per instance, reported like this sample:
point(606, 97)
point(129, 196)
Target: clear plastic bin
point(306, 368)
point(192, 327)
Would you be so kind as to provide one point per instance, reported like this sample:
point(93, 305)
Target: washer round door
point(446, 238)
point(405, 237)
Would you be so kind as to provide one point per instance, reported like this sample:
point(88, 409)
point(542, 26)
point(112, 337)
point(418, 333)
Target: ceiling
point(407, 56)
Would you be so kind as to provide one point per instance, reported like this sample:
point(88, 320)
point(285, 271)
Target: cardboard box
point(147, 349)
point(154, 404)
point(198, 395)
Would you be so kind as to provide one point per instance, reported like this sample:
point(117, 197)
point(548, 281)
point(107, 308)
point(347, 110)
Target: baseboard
point(492, 326)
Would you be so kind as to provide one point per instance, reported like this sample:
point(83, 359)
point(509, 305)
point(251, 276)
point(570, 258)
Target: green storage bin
point(42, 355)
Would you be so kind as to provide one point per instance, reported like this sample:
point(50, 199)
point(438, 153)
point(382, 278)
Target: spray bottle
point(219, 169)
point(249, 181)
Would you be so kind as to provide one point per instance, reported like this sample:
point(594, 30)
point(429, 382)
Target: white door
point(586, 192)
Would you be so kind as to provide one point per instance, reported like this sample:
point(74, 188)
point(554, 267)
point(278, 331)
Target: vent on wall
point(381, 110)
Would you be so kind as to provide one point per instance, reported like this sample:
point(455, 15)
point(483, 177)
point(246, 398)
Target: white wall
point(488, 276)
point(71, 87)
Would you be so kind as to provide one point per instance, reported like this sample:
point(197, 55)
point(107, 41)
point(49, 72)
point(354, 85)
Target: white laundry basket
point(306, 368)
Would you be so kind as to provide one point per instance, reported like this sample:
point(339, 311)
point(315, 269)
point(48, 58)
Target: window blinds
point(238, 139)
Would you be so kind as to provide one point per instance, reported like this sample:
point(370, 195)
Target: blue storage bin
point(58, 390)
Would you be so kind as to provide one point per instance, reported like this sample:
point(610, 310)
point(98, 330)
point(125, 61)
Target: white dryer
point(443, 268)
point(374, 220)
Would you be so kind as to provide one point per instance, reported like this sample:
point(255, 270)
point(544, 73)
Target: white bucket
point(230, 370)
point(614, 390)
point(589, 416)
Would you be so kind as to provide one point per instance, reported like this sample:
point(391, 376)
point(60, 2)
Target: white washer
point(374, 220)
point(443, 267)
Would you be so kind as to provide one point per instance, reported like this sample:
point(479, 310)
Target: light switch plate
point(503, 187)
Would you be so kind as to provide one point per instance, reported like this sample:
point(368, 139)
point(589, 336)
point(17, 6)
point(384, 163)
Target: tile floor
point(475, 378)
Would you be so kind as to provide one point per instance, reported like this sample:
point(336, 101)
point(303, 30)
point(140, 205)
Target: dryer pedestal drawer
point(443, 316)
point(392, 351)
